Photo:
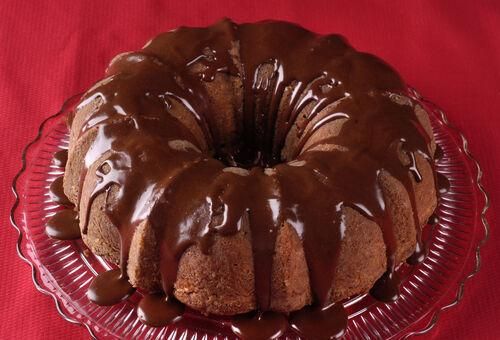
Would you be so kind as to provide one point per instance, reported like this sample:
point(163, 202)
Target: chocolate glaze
point(158, 310)
point(259, 326)
point(137, 145)
point(420, 252)
point(109, 288)
point(438, 155)
point(386, 289)
point(60, 158)
point(56, 192)
point(320, 323)
point(64, 225)
point(433, 220)
point(443, 183)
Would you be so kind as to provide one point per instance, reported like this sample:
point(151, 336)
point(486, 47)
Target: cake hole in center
point(247, 156)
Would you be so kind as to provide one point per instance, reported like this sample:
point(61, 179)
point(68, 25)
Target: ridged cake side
point(222, 279)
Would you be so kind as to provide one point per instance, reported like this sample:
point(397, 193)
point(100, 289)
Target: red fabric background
point(449, 50)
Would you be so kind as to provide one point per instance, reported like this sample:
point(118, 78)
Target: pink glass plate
point(63, 269)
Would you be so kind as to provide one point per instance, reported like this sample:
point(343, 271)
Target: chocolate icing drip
point(259, 326)
point(109, 288)
point(420, 249)
point(56, 192)
point(443, 183)
point(159, 310)
point(433, 220)
point(386, 289)
point(320, 323)
point(420, 252)
point(413, 168)
point(154, 170)
point(60, 158)
point(438, 155)
point(63, 225)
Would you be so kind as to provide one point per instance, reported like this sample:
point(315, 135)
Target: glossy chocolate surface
point(56, 192)
point(158, 164)
point(320, 323)
point(60, 158)
point(443, 183)
point(158, 310)
point(64, 225)
point(260, 326)
point(109, 288)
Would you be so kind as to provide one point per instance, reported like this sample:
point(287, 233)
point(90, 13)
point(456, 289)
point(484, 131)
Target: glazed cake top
point(191, 189)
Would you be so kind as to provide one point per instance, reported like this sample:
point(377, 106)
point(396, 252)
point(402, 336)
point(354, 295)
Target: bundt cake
point(243, 167)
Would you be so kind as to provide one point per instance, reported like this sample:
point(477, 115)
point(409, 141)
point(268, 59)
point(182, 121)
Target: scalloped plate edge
point(433, 315)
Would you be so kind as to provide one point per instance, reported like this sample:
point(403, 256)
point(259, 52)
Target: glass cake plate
point(64, 269)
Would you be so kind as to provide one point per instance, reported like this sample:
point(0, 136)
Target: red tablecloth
point(449, 50)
